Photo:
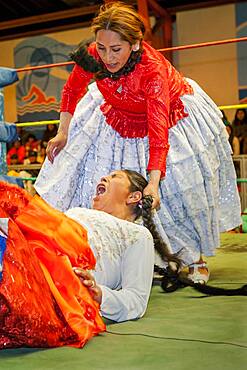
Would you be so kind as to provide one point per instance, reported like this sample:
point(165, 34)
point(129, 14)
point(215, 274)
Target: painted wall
point(215, 68)
point(72, 37)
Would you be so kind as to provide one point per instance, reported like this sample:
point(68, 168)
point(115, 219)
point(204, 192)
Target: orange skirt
point(42, 301)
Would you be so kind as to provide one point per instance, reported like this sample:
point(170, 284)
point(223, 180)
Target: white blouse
point(124, 253)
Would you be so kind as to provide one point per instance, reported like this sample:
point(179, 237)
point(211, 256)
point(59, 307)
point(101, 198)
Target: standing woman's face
point(113, 51)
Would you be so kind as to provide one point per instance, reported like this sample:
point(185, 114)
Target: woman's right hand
point(55, 145)
point(88, 280)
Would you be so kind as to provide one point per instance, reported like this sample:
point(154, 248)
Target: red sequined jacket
point(145, 102)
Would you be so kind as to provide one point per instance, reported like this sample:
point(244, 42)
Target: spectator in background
point(233, 140)
point(14, 159)
point(41, 152)
point(32, 159)
point(22, 133)
point(239, 126)
point(50, 132)
point(31, 144)
point(17, 149)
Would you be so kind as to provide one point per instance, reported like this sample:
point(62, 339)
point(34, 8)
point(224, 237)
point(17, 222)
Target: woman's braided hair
point(171, 280)
point(144, 209)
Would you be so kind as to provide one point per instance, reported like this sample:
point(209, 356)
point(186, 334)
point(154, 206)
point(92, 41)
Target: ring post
point(3, 164)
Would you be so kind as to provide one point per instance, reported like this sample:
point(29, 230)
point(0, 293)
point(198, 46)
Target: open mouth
point(101, 189)
point(112, 66)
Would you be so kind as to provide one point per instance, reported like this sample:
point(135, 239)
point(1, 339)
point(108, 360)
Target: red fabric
point(20, 152)
point(42, 302)
point(145, 102)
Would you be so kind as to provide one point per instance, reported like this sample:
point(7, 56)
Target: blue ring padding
point(3, 242)
point(7, 76)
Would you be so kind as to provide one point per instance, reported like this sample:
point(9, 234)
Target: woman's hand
point(55, 145)
point(88, 280)
point(153, 190)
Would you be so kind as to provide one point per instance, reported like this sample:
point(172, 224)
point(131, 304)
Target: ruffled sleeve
point(156, 90)
point(76, 85)
point(74, 89)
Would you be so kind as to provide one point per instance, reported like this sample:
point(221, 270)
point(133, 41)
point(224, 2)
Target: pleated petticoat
point(199, 194)
point(42, 301)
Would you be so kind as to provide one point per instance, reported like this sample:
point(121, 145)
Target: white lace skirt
point(199, 194)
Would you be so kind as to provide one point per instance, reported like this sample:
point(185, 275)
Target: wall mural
point(38, 92)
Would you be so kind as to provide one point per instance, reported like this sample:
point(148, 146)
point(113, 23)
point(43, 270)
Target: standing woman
point(141, 114)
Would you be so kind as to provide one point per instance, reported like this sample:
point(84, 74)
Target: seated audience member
point(240, 129)
point(31, 144)
point(70, 267)
point(14, 159)
point(41, 152)
point(22, 134)
point(233, 140)
point(32, 159)
point(17, 149)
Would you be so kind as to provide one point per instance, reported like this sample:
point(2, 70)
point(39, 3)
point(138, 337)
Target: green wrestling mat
point(180, 331)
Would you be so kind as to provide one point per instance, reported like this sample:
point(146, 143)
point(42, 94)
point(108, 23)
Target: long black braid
point(171, 280)
point(144, 209)
point(160, 246)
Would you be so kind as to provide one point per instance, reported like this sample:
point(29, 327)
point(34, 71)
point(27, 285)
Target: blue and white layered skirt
point(199, 197)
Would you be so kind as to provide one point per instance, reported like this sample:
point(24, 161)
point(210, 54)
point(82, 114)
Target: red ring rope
point(192, 46)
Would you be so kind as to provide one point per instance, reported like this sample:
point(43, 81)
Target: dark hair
point(144, 209)
point(122, 19)
point(236, 120)
point(30, 136)
point(32, 153)
point(14, 156)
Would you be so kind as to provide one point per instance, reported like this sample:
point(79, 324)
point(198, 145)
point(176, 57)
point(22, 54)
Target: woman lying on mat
point(49, 295)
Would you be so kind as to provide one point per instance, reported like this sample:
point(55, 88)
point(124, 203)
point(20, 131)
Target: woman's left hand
point(153, 190)
point(88, 280)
